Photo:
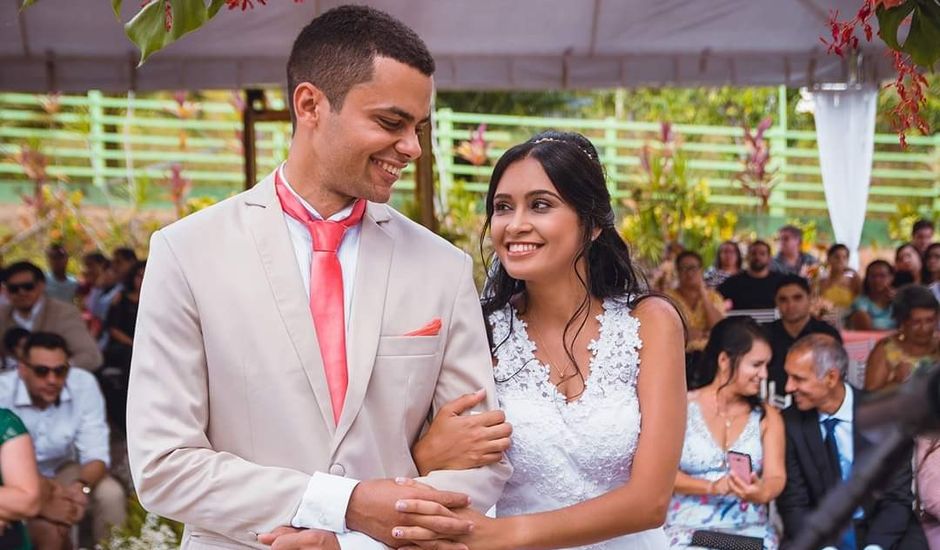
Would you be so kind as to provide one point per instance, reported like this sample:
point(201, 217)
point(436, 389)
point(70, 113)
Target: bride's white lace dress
point(566, 453)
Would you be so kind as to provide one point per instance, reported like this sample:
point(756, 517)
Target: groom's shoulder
point(417, 238)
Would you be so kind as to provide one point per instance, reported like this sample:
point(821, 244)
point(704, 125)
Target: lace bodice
point(565, 453)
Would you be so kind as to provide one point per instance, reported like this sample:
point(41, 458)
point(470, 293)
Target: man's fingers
point(463, 403)
point(446, 498)
point(498, 445)
point(439, 526)
point(410, 482)
point(423, 507)
point(491, 458)
point(490, 418)
point(435, 545)
point(498, 431)
point(269, 538)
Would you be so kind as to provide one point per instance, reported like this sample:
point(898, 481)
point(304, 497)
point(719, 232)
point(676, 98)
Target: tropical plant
point(756, 178)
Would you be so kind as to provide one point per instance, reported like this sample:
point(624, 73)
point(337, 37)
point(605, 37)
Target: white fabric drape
point(845, 130)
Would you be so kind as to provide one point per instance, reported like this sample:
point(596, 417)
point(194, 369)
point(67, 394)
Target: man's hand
point(372, 510)
point(63, 505)
point(289, 538)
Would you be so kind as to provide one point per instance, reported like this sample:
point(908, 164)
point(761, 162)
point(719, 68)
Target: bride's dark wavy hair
point(572, 164)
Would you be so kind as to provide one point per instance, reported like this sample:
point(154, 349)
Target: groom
point(285, 364)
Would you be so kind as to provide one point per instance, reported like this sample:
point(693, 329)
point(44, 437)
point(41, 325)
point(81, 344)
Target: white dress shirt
point(27, 322)
point(327, 496)
point(72, 430)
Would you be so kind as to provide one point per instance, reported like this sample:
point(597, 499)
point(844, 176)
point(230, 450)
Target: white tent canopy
point(76, 45)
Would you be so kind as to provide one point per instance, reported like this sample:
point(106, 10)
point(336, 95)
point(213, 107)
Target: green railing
point(111, 147)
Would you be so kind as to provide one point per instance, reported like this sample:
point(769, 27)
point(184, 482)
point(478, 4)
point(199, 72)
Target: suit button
point(337, 470)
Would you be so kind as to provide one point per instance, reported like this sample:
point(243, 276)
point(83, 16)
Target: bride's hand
point(487, 533)
point(460, 442)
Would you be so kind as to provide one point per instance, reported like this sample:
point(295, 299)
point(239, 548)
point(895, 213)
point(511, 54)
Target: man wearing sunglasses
point(24, 284)
point(63, 410)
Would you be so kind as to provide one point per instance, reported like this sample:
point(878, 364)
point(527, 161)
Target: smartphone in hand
point(740, 465)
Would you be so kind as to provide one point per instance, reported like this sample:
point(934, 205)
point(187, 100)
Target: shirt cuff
point(354, 540)
point(324, 503)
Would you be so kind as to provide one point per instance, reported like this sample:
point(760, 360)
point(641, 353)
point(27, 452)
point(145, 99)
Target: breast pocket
point(408, 346)
point(410, 365)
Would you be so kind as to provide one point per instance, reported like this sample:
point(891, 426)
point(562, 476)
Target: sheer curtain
point(845, 131)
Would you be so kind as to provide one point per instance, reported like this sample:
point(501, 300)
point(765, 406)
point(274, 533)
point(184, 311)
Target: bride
point(589, 368)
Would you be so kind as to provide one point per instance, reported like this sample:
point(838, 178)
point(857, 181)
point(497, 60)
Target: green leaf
point(26, 4)
point(890, 20)
point(923, 42)
point(147, 29)
point(214, 7)
point(116, 6)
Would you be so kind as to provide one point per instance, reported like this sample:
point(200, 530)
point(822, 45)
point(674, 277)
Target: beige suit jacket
point(229, 412)
point(65, 320)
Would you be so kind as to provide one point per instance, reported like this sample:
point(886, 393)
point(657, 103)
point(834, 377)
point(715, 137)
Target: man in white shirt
point(59, 284)
point(284, 365)
point(823, 442)
point(63, 410)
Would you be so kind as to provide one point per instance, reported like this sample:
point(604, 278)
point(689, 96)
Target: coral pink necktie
point(326, 289)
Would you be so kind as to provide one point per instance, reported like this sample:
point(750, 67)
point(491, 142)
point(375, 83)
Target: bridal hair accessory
point(583, 150)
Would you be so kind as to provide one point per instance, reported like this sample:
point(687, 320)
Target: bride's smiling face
point(534, 232)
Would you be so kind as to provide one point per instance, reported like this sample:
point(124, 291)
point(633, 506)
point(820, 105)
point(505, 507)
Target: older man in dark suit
point(823, 443)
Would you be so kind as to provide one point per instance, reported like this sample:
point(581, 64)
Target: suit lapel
point(366, 311)
point(266, 220)
point(817, 453)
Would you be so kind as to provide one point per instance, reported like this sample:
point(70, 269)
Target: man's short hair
point(12, 337)
point(828, 353)
point(792, 279)
point(337, 50)
point(125, 253)
point(46, 340)
point(792, 230)
point(909, 298)
point(24, 267)
point(759, 243)
point(96, 258)
point(921, 224)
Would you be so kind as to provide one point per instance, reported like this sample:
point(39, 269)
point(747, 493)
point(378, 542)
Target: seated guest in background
point(795, 322)
point(63, 409)
point(701, 307)
point(928, 488)
point(59, 284)
point(19, 482)
point(841, 284)
point(791, 258)
point(728, 262)
point(894, 358)
point(93, 265)
point(932, 269)
point(908, 266)
point(754, 288)
point(664, 276)
point(124, 259)
point(30, 309)
point(13, 341)
point(922, 235)
point(872, 309)
point(823, 443)
point(122, 317)
point(726, 415)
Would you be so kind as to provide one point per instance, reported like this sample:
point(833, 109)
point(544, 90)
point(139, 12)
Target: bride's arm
point(641, 503)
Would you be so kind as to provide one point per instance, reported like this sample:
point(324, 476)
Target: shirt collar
point(844, 414)
point(342, 214)
point(33, 313)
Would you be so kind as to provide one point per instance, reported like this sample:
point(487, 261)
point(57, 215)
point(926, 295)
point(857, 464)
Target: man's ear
point(310, 103)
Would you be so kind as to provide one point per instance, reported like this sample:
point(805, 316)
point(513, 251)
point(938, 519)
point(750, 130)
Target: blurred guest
point(922, 235)
point(93, 264)
point(872, 310)
point(59, 284)
point(122, 318)
point(13, 341)
point(823, 442)
point(63, 409)
point(664, 276)
point(754, 288)
point(932, 268)
point(908, 266)
point(30, 309)
point(791, 258)
point(19, 482)
point(726, 415)
point(728, 262)
point(795, 322)
point(841, 284)
point(123, 258)
point(894, 358)
point(701, 307)
point(928, 488)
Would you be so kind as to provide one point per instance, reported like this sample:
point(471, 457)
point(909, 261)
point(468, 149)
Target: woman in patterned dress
point(589, 367)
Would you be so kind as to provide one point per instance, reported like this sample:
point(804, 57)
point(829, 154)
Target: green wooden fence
point(117, 147)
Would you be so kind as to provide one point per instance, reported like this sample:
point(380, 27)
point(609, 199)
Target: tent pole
point(424, 181)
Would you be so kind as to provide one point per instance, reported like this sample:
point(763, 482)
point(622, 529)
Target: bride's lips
point(522, 249)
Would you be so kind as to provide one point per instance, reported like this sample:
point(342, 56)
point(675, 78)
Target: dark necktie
point(847, 539)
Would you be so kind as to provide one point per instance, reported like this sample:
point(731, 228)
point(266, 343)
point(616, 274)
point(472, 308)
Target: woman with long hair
point(727, 421)
point(872, 309)
point(908, 266)
point(841, 284)
point(728, 262)
point(894, 358)
point(581, 353)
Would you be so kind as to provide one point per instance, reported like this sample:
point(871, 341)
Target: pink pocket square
point(431, 329)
